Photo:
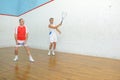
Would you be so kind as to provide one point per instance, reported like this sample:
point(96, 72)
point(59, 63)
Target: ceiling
point(20, 7)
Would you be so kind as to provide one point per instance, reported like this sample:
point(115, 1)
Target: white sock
point(53, 50)
point(16, 56)
point(30, 56)
point(50, 50)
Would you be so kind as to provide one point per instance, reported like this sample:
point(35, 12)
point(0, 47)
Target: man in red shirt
point(21, 36)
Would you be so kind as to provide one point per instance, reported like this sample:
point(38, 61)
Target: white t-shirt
point(52, 31)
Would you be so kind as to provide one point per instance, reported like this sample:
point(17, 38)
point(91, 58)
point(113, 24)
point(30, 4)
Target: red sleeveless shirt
point(21, 33)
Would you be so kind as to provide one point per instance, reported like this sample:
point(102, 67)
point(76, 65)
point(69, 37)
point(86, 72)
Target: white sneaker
point(53, 53)
point(31, 59)
point(16, 58)
point(49, 53)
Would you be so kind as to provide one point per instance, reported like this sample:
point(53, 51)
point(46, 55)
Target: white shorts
point(21, 43)
point(53, 37)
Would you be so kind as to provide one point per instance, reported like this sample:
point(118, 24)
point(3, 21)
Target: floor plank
point(62, 66)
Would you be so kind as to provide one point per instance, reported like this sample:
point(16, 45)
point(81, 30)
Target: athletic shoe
point(53, 53)
point(49, 53)
point(16, 58)
point(31, 59)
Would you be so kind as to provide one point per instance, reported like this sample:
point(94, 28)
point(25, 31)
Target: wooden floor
point(60, 67)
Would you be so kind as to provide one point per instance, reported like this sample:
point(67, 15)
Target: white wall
point(91, 27)
point(7, 27)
